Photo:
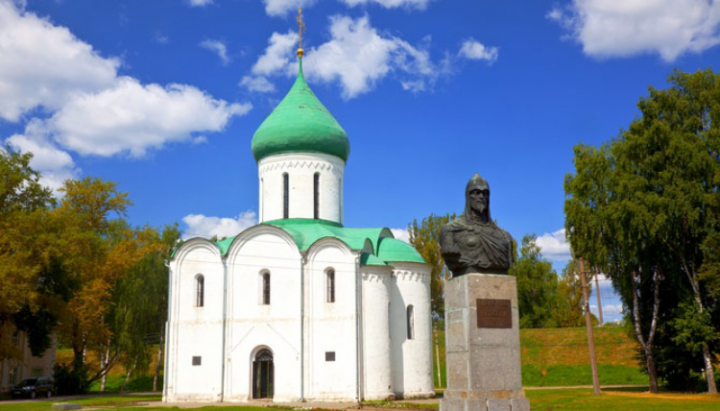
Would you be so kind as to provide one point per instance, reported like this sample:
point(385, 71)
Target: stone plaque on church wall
point(493, 313)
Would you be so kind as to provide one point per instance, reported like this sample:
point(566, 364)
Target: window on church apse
point(286, 195)
point(330, 280)
point(410, 323)
point(265, 297)
point(199, 290)
point(316, 196)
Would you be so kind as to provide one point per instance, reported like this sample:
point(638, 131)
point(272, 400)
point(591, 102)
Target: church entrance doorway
point(263, 374)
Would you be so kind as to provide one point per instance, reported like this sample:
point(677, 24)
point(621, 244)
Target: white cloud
point(357, 57)
point(44, 65)
point(390, 4)
point(55, 165)
point(278, 54)
point(282, 7)
point(89, 108)
point(161, 38)
point(257, 84)
point(199, 3)
point(401, 234)
point(611, 28)
point(217, 47)
point(199, 140)
point(415, 86)
point(474, 50)
point(612, 309)
point(202, 226)
point(554, 246)
point(132, 117)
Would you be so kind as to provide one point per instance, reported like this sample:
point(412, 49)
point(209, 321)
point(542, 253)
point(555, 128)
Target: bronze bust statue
point(473, 243)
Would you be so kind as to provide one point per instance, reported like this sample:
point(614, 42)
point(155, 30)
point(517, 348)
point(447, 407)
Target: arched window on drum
point(410, 322)
point(199, 290)
point(265, 288)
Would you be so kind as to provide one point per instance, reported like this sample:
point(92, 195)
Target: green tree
point(537, 286)
point(425, 237)
point(644, 208)
point(101, 250)
point(570, 311)
point(26, 256)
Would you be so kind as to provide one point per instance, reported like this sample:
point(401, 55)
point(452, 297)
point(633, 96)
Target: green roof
point(224, 244)
point(300, 123)
point(394, 250)
point(306, 231)
point(369, 259)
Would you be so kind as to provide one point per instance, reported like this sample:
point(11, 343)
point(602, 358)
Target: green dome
point(394, 250)
point(300, 123)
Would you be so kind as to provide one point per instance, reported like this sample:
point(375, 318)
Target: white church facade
point(299, 307)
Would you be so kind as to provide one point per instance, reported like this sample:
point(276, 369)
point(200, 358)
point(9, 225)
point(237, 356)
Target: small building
point(24, 364)
point(299, 307)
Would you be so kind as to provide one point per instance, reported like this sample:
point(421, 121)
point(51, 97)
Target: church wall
point(301, 168)
point(195, 331)
point(252, 325)
point(331, 326)
point(411, 358)
point(377, 373)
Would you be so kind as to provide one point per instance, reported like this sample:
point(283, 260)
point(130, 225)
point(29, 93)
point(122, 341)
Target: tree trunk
point(104, 358)
point(647, 345)
point(652, 370)
point(709, 373)
point(597, 292)
point(128, 374)
point(2, 371)
point(707, 355)
point(588, 326)
point(161, 346)
point(437, 354)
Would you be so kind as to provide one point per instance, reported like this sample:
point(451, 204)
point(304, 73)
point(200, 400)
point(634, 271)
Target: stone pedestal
point(482, 352)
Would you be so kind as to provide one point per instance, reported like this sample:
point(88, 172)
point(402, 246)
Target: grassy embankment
point(550, 358)
point(559, 358)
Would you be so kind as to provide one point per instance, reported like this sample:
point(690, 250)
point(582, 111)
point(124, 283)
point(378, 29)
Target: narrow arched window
point(199, 291)
point(286, 195)
point(410, 323)
point(262, 199)
point(330, 282)
point(316, 196)
point(265, 288)
point(390, 320)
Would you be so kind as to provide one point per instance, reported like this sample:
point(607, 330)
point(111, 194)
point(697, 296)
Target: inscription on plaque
point(493, 313)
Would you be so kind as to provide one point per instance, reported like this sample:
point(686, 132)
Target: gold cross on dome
point(301, 30)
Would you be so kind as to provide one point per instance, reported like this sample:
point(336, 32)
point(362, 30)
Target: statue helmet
point(476, 182)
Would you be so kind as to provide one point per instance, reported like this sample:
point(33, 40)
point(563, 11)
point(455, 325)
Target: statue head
point(477, 199)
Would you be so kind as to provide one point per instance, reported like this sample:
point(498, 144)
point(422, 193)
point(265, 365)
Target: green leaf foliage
point(537, 287)
point(648, 203)
point(425, 237)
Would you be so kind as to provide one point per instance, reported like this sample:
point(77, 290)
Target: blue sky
point(164, 96)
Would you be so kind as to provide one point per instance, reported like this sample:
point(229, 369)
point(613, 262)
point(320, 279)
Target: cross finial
point(301, 30)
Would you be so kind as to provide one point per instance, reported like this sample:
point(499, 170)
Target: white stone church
point(299, 307)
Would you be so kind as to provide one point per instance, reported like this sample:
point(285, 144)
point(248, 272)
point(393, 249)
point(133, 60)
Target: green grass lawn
point(559, 357)
point(110, 401)
point(569, 375)
point(141, 383)
point(584, 400)
point(540, 400)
